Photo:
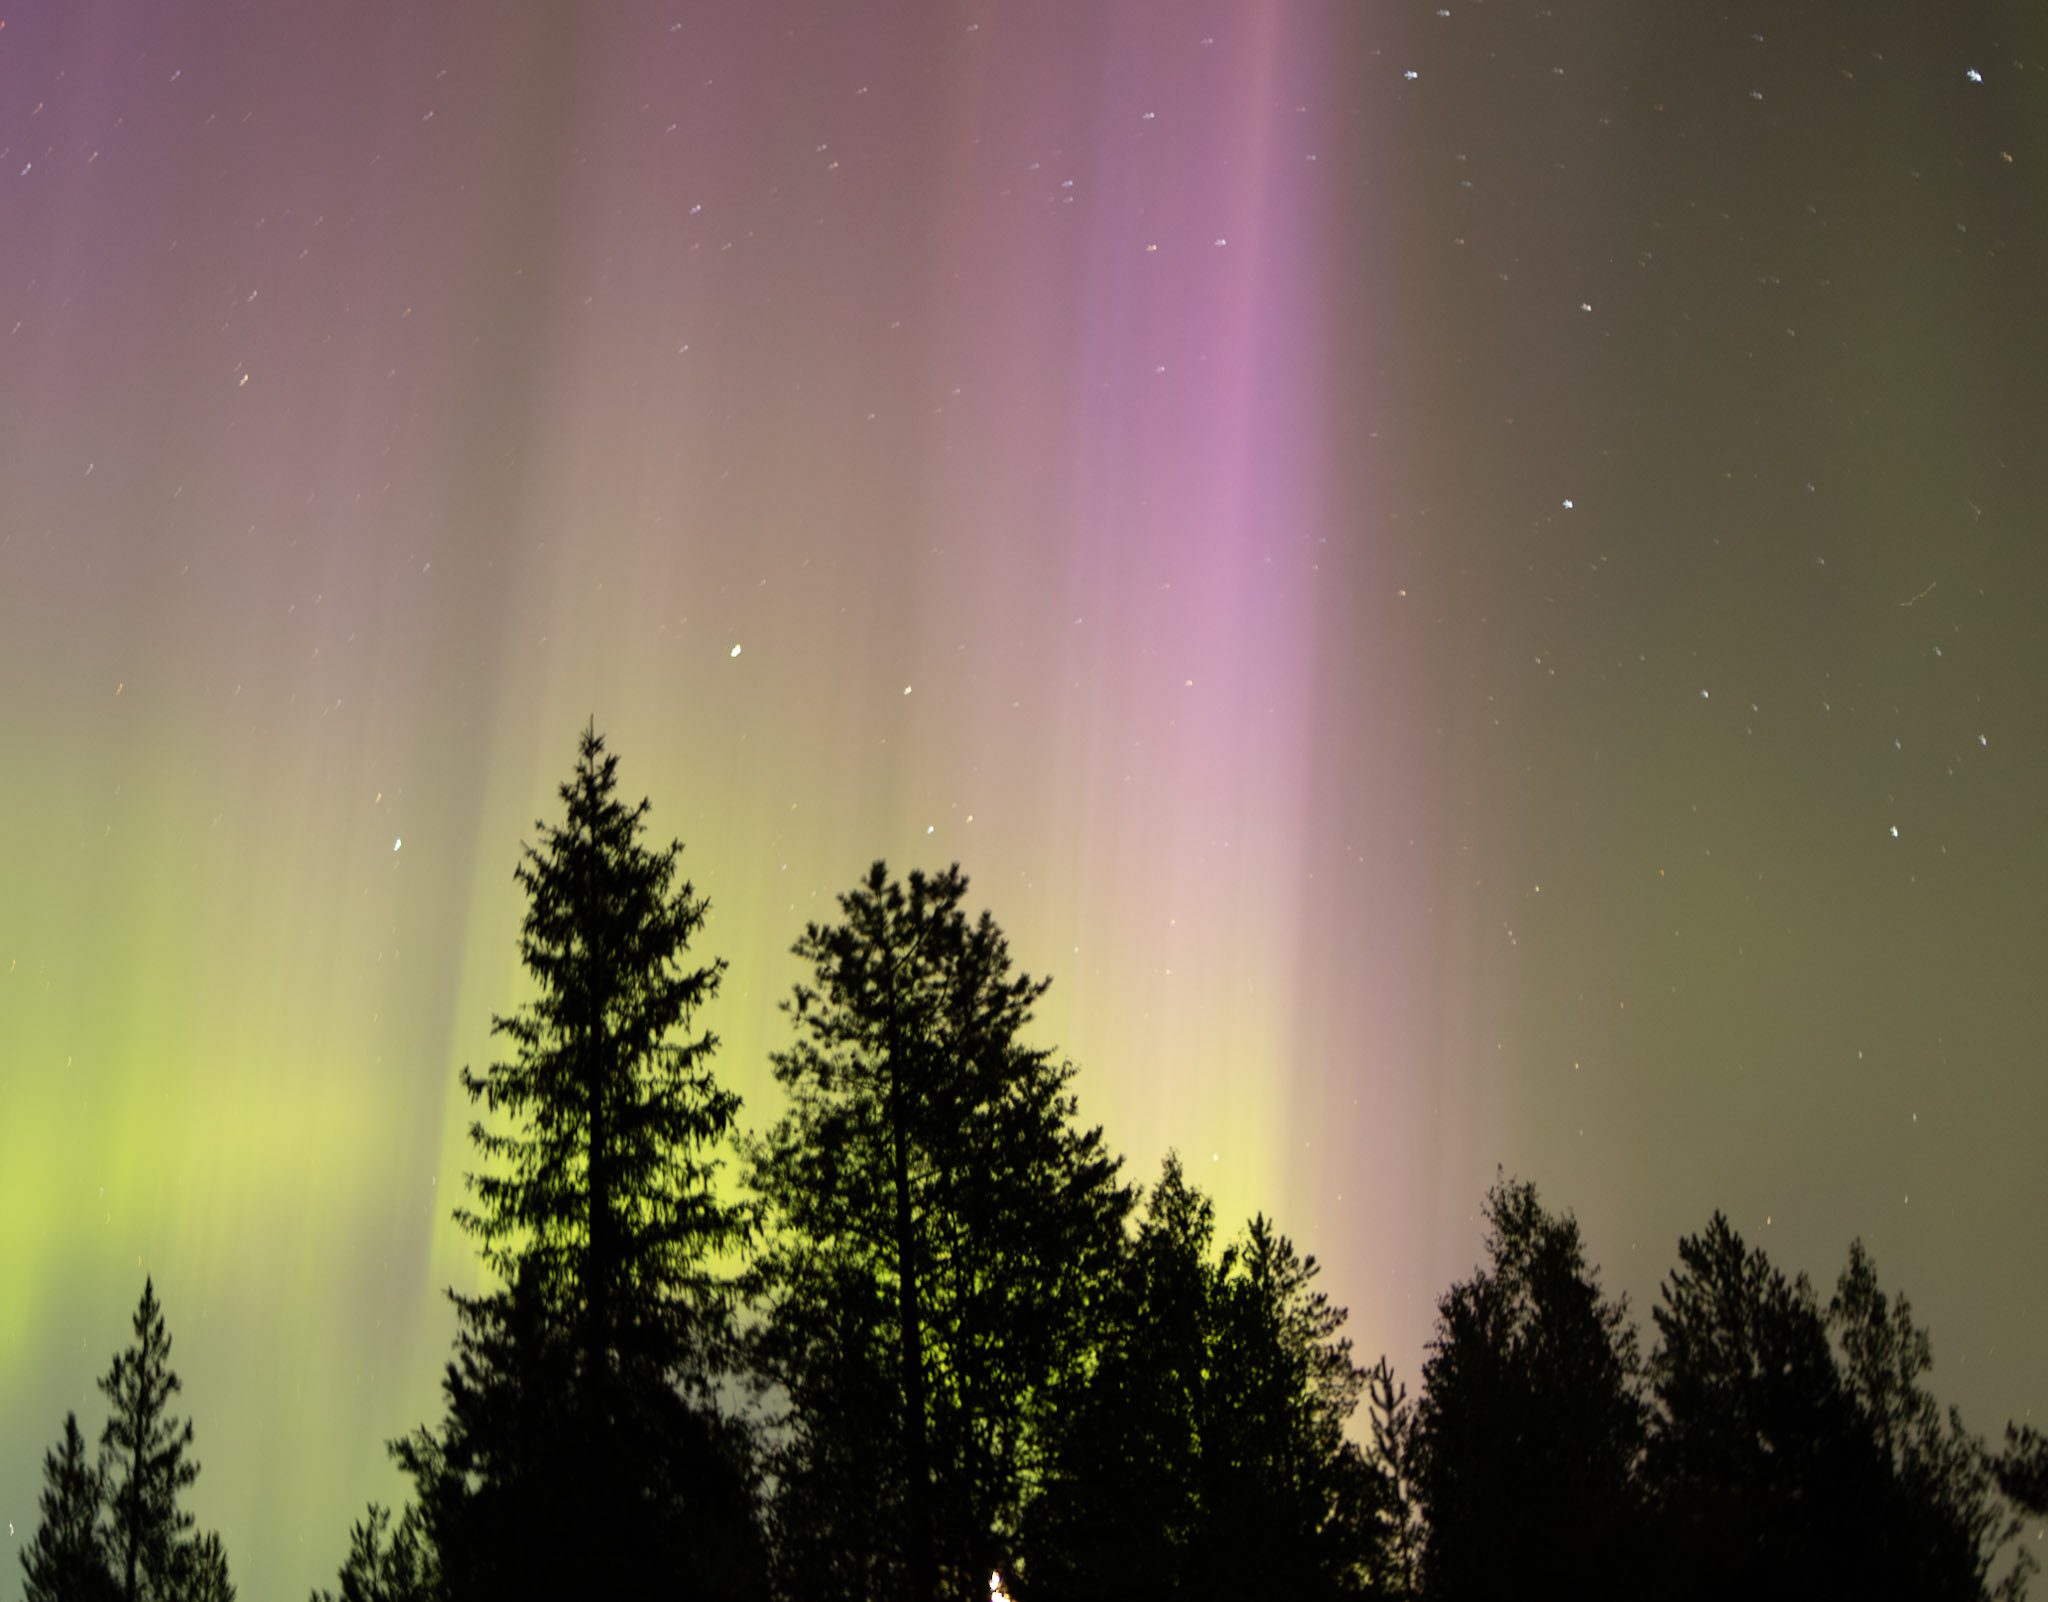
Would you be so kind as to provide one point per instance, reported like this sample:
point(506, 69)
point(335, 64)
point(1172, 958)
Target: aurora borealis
point(1467, 580)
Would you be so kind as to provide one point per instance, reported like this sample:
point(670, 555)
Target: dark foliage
point(386, 1562)
point(64, 1560)
point(545, 1480)
point(603, 1188)
point(1945, 1525)
point(1780, 1471)
point(144, 1460)
point(940, 1225)
point(202, 1571)
point(1391, 1454)
point(1203, 1454)
point(1290, 1497)
point(583, 1452)
point(1754, 1456)
point(1530, 1421)
point(2022, 1468)
point(1122, 1509)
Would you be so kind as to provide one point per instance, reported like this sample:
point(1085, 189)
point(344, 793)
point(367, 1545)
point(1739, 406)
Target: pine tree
point(1796, 1450)
point(1121, 1513)
point(1203, 1454)
point(1530, 1421)
point(2022, 1468)
point(143, 1452)
point(1288, 1498)
point(1946, 1526)
point(386, 1563)
point(64, 1561)
point(581, 1398)
point(942, 1224)
point(202, 1571)
point(1390, 1455)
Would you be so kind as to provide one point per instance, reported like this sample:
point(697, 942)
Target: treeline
point(933, 1345)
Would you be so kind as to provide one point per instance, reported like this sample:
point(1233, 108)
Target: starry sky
point(1466, 579)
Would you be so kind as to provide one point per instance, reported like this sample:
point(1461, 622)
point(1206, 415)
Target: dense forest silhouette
point(920, 1339)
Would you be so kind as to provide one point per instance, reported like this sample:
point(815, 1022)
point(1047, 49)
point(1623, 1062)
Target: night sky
point(1469, 582)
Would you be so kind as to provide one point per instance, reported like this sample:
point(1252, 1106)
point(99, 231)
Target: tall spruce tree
point(603, 1187)
point(64, 1560)
point(941, 1225)
point(583, 1451)
point(144, 1453)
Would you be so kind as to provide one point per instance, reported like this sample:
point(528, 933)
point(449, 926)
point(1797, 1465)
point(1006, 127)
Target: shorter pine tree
point(64, 1561)
point(145, 1457)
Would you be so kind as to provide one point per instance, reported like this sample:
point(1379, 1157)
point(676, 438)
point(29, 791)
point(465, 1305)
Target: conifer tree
point(1946, 1526)
point(144, 1456)
point(1289, 1499)
point(2022, 1468)
point(603, 1187)
point(202, 1567)
point(64, 1561)
point(582, 1451)
point(1390, 1456)
point(1202, 1452)
point(1530, 1421)
point(1121, 1512)
point(386, 1563)
point(1795, 1449)
point(942, 1225)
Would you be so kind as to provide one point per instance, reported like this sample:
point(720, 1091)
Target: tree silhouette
point(144, 1459)
point(64, 1561)
point(1753, 1454)
point(941, 1223)
point(1122, 1510)
point(604, 1186)
point(1529, 1421)
point(2022, 1468)
point(1783, 1470)
point(386, 1563)
point(1944, 1526)
point(581, 1397)
point(202, 1567)
point(1391, 1454)
point(1289, 1498)
point(540, 1484)
point(1203, 1453)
